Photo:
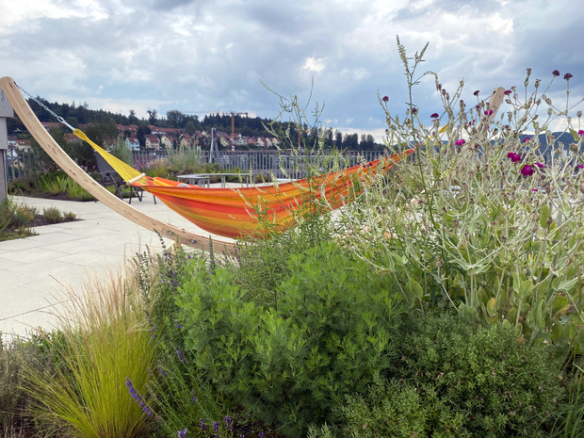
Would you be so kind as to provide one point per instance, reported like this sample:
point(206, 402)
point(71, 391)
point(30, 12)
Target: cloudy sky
point(210, 55)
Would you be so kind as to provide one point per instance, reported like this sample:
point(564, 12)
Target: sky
point(200, 56)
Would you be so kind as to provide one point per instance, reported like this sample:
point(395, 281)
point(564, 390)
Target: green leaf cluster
point(291, 359)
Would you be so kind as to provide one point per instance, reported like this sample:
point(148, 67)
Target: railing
point(281, 164)
point(20, 164)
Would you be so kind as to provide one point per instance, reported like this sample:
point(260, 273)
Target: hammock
point(235, 212)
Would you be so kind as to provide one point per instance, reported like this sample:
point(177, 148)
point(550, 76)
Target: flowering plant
point(480, 220)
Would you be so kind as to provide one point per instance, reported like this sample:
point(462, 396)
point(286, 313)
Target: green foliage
point(14, 220)
point(122, 151)
point(461, 224)
point(52, 215)
point(24, 215)
point(291, 356)
point(453, 380)
point(75, 191)
point(105, 343)
point(185, 160)
point(570, 423)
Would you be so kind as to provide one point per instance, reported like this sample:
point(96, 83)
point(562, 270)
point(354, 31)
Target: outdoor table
point(204, 179)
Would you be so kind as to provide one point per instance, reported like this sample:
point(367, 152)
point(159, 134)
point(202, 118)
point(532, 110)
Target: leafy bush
point(451, 379)
point(24, 215)
point(291, 356)
point(484, 217)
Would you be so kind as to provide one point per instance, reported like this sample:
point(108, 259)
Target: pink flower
point(580, 166)
point(526, 139)
point(514, 157)
point(541, 166)
point(527, 170)
point(488, 112)
point(460, 142)
point(556, 72)
point(385, 98)
point(581, 132)
point(508, 92)
point(435, 116)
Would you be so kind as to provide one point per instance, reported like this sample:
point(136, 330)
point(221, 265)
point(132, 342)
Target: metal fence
point(282, 164)
point(20, 164)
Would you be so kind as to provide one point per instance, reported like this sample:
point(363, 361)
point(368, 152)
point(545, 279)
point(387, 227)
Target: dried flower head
point(556, 73)
point(568, 76)
point(476, 93)
point(385, 98)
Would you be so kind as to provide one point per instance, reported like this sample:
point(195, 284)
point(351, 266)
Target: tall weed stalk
point(484, 218)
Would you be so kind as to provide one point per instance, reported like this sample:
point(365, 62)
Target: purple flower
point(534, 190)
point(261, 434)
point(228, 423)
point(476, 93)
point(203, 425)
point(556, 73)
point(581, 132)
point(568, 76)
point(215, 426)
point(526, 139)
point(488, 112)
point(460, 142)
point(514, 157)
point(137, 397)
point(541, 166)
point(182, 433)
point(527, 170)
point(508, 92)
point(180, 355)
point(434, 116)
point(385, 98)
point(580, 166)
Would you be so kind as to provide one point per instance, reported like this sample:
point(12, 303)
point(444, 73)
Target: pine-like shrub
point(451, 379)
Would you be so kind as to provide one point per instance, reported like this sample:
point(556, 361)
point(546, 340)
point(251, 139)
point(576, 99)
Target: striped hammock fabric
point(245, 212)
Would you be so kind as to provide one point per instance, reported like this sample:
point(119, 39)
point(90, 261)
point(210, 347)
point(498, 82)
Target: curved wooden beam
point(20, 105)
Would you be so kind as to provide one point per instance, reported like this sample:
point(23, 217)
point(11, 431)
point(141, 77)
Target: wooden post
point(5, 111)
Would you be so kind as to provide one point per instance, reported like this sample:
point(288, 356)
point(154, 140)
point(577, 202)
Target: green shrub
point(52, 215)
point(69, 216)
point(291, 357)
point(75, 191)
point(24, 215)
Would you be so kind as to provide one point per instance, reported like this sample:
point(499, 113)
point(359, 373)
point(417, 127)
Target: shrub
point(24, 215)
point(105, 344)
point(291, 356)
point(484, 217)
point(451, 379)
point(52, 215)
point(75, 191)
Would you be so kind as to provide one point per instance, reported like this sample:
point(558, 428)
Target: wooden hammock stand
point(27, 116)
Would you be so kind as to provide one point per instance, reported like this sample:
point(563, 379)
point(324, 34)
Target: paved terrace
point(35, 271)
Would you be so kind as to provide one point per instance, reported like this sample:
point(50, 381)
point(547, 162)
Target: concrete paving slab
point(35, 271)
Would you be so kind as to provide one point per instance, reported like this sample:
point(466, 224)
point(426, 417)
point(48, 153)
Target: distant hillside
point(250, 130)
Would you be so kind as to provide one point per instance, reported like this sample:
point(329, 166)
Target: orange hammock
point(236, 212)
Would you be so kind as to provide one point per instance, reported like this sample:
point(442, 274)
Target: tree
point(133, 119)
point(190, 128)
point(152, 116)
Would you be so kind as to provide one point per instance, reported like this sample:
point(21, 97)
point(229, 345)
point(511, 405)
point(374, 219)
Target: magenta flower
point(476, 93)
point(460, 142)
point(434, 116)
point(556, 72)
point(526, 139)
point(514, 157)
point(508, 92)
point(568, 76)
point(580, 166)
point(488, 112)
point(581, 132)
point(527, 170)
point(541, 166)
point(385, 98)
